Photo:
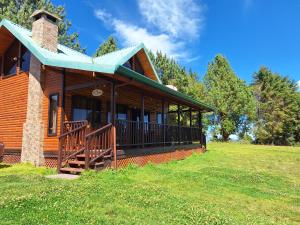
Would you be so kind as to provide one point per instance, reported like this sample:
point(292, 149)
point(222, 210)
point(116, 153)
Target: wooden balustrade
point(97, 144)
point(72, 142)
point(132, 133)
point(71, 125)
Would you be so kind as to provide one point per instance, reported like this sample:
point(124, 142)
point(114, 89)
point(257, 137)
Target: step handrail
point(96, 143)
point(72, 142)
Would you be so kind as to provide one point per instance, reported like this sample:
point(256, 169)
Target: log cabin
point(60, 107)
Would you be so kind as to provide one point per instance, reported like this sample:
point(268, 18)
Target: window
point(136, 115)
point(121, 112)
point(25, 59)
point(135, 64)
point(128, 64)
point(159, 117)
point(84, 108)
point(138, 66)
point(53, 108)
point(11, 59)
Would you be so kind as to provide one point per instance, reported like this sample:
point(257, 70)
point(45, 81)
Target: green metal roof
point(108, 63)
point(122, 56)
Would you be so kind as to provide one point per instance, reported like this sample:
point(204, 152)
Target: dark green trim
point(145, 80)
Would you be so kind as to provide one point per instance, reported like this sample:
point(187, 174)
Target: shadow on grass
point(2, 166)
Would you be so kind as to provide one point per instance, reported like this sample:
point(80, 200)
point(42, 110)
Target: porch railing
point(77, 139)
point(72, 141)
point(133, 133)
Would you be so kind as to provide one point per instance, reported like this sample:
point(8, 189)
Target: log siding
point(13, 105)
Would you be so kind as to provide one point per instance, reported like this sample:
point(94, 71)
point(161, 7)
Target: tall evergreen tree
point(277, 108)
point(187, 82)
point(230, 95)
point(110, 45)
point(297, 127)
point(19, 11)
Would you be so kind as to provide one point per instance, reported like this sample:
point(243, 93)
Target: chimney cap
point(39, 13)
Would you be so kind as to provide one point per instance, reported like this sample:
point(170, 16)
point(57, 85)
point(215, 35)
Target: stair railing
point(72, 141)
point(71, 125)
point(98, 144)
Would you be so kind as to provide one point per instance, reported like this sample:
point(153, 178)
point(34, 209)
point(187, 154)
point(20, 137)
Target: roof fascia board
point(152, 66)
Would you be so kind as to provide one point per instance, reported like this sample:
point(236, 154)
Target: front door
point(87, 108)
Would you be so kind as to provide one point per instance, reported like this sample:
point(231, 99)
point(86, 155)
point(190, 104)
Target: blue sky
point(250, 33)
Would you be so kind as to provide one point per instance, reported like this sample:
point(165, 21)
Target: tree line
point(267, 110)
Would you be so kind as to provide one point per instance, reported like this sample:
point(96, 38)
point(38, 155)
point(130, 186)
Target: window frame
point(49, 113)
point(4, 75)
point(89, 105)
point(19, 62)
point(21, 58)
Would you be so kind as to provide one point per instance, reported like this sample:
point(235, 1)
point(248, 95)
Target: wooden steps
point(77, 165)
point(71, 170)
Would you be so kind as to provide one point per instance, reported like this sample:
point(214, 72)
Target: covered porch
point(119, 118)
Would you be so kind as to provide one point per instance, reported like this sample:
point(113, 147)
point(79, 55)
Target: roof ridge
point(73, 50)
point(122, 49)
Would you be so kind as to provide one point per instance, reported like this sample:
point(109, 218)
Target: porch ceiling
point(160, 91)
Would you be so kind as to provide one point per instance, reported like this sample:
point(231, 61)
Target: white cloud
point(170, 24)
point(102, 15)
point(192, 59)
point(298, 84)
point(132, 35)
point(178, 18)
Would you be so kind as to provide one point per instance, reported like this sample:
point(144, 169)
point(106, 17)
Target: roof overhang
point(178, 95)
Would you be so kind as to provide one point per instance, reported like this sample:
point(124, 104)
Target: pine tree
point(277, 108)
point(19, 11)
point(230, 95)
point(110, 45)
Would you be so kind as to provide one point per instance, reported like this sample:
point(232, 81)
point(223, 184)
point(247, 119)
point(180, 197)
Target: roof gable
point(120, 57)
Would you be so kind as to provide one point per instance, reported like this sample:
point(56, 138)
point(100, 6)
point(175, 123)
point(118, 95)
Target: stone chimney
point(45, 29)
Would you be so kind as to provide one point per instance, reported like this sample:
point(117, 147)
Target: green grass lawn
point(229, 184)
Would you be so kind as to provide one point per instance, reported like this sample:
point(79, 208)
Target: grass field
point(229, 184)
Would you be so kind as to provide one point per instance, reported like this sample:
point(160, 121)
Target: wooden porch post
point(63, 93)
point(62, 117)
point(178, 123)
point(200, 127)
point(163, 121)
point(113, 121)
point(190, 114)
point(190, 117)
point(142, 119)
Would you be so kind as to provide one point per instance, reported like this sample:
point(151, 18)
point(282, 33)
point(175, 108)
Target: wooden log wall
point(13, 106)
